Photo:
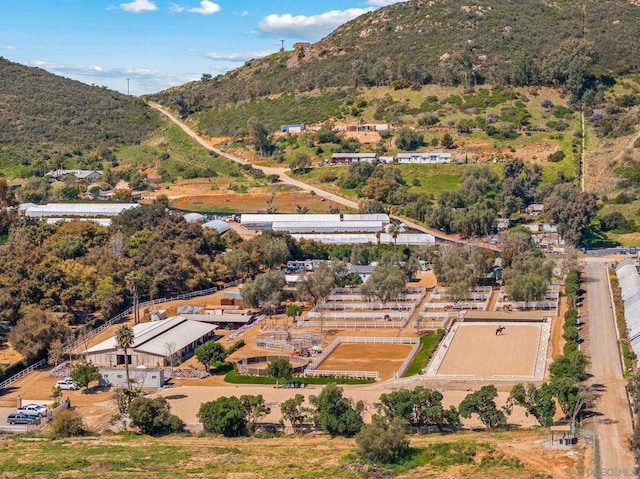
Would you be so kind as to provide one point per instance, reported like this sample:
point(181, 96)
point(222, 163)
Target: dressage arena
point(365, 357)
point(474, 351)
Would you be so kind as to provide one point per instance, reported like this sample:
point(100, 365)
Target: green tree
point(85, 373)
point(260, 136)
point(301, 161)
point(409, 140)
point(210, 353)
point(483, 404)
point(254, 409)
point(447, 141)
point(225, 415)
point(419, 407)
point(294, 311)
point(315, 286)
point(539, 402)
point(125, 339)
point(68, 423)
point(36, 331)
point(386, 283)
point(152, 416)
point(336, 414)
point(280, 369)
point(136, 281)
point(266, 287)
point(383, 441)
point(293, 411)
point(395, 230)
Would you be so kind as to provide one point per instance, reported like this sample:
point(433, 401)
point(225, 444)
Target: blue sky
point(157, 44)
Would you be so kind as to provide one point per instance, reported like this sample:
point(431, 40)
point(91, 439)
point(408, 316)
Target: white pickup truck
point(34, 410)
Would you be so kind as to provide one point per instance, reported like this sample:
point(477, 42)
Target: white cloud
point(236, 57)
point(139, 6)
point(383, 3)
point(206, 8)
point(7, 47)
point(305, 27)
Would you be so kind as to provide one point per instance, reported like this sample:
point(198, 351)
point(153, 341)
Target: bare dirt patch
point(229, 201)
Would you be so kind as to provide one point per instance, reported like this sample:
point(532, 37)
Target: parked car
point(67, 383)
point(22, 418)
point(34, 410)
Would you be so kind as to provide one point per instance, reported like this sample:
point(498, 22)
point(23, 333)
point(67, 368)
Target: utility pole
point(128, 85)
point(282, 45)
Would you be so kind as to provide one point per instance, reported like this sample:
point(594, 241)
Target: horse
point(500, 330)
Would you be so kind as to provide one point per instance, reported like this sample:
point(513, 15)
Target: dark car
point(22, 418)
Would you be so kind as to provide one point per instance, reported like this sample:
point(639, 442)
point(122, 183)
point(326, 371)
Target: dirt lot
point(477, 351)
point(384, 358)
point(221, 200)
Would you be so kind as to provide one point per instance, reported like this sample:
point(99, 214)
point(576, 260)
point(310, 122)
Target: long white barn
point(82, 210)
point(327, 223)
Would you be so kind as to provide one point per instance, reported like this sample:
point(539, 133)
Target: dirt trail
point(283, 176)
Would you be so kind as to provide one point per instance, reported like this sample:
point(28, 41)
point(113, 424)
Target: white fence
point(405, 364)
point(22, 373)
point(304, 323)
point(343, 374)
point(312, 371)
point(355, 305)
point(359, 298)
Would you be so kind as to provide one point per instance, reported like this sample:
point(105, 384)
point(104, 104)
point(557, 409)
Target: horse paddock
point(475, 350)
point(383, 358)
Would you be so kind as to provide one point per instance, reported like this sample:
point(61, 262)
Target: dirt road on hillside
point(284, 177)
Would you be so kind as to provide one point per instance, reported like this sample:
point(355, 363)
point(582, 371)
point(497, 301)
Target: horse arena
point(365, 357)
point(478, 351)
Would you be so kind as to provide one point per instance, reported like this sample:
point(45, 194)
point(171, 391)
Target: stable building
point(424, 158)
point(156, 344)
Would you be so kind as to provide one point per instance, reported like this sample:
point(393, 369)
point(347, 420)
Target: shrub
point(327, 177)
point(556, 156)
point(383, 440)
point(152, 416)
point(68, 424)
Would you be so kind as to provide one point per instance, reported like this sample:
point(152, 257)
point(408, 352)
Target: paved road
point(613, 427)
point(284, 177)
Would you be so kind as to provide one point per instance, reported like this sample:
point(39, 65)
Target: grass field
point(429, 344)
point(464, 454)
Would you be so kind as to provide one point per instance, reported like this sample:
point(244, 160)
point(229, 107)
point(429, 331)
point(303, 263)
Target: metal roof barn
point(57, 210)
point(328, 226)
point(383, 217)
point(154, 343)
point(363, 238)
point(265, 221)
point(219, 225)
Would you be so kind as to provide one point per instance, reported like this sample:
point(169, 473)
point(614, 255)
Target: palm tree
point(124, 339)
point(135, 281)
point(394, 230)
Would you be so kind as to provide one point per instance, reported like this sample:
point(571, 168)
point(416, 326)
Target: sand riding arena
point(508, 351)
point(365, 357)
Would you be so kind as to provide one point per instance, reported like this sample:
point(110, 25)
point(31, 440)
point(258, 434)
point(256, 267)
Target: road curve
point(285, 178)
